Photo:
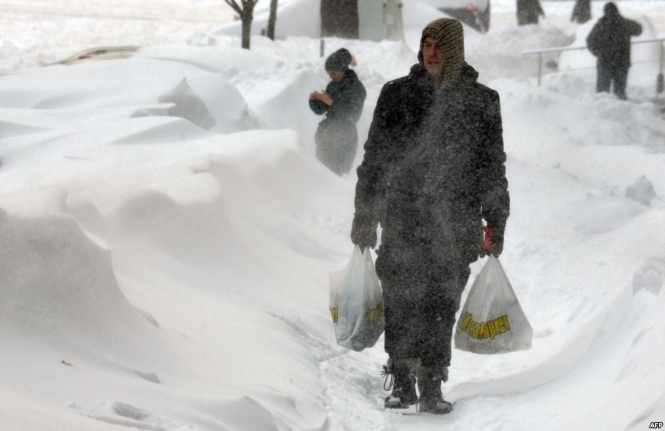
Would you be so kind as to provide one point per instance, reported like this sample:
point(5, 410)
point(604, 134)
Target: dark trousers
point(421, 299)
point(607, 77)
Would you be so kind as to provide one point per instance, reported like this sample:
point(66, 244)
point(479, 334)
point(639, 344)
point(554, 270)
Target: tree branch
point(234, 5)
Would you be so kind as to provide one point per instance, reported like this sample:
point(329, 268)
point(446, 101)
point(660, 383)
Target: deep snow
point(166, 233)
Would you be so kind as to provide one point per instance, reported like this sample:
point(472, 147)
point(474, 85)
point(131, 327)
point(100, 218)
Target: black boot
point(429, 385)
point(403, 383)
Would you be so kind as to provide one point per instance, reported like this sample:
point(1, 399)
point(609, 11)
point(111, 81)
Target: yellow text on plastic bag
point(372, 314)
point(482, 330)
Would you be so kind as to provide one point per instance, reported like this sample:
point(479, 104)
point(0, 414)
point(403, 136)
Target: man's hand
point(363, 233)
point(325, 98)
point(493, 242)
point(322, 96)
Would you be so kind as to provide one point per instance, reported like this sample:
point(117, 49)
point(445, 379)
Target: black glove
point(497, 244)
point(363, 232)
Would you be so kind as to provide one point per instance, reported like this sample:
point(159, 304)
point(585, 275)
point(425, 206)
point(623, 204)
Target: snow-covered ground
point(166, 233)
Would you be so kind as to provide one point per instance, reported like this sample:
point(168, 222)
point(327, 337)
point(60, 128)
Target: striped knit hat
point(450, 35)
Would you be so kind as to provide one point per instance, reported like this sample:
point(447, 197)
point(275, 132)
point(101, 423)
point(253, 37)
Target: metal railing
point(540, 52)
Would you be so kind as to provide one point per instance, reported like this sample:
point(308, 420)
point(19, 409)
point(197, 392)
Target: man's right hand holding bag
point(363, 232)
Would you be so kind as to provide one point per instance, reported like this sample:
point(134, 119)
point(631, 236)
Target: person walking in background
point(433, 168)
point(342, 102)
point(609, 41)
point(528, 11)
point(581, 11)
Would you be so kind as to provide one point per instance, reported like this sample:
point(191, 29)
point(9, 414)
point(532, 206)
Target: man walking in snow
point(433, 169)
point(581, 11)
point(528, 11)
point(609, 41)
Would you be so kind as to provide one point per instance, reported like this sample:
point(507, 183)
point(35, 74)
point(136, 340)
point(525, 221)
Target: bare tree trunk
point(272, 19)
point(246, 12)
point(339, 18)
point(246, 30)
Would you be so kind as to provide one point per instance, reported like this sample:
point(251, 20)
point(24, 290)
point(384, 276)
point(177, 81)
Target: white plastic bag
point(492, 320)
point(356, 302)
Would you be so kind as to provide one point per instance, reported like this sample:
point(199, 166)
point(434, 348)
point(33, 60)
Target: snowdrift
point(166, 237)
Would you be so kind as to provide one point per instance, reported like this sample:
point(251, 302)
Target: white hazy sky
point(166, 233)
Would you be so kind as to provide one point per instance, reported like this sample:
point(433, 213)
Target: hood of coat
point(350, 75)
point(449, 34)
point(468, 75)
point(611, 9)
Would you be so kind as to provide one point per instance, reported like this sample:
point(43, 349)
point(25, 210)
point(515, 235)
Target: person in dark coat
point(342, 102)
point(609, 41)
point(433, 168)
point(581, 11)
point(528, 11)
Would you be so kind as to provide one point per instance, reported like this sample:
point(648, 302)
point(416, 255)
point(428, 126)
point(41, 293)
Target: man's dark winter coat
point(430, 189)
point(337, 135)
point(609, 39)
